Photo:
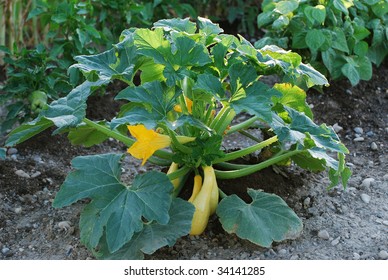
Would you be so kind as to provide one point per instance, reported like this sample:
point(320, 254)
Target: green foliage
point(29, 71)
point(264, 212)
point(197, 81)
point(341, 37)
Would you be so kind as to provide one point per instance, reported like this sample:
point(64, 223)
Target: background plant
point(194, 82)
point(340, 37)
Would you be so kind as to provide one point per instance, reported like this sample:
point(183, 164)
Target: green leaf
point(349, 70)
point(188, 52)
point(264, 19)
point(241, 75)
point(333, 62)
point(339, 40)
point(154, 235)
point(176, 24)
point(314, 39)
point(3, 153)
point(342, 173)
point(151, 43)
point(155, 99)
point(300, 128)
point(266, 219)
point(361, 48)
point(69, 111)
point(116, 63)
point(86, 135)
point(209, 84)
point(255, 100)
point(98, 177)
point(208, 28)
point(342, 5)
point(293, 97)
point(364, 67)
point(315, 14)
point(27, 130)
point(285, 7)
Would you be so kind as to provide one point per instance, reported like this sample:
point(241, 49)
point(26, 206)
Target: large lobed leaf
point(116, 207)
point(153, 235)
point(266, 219)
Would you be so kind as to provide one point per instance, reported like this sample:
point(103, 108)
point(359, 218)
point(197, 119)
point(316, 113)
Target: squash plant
point(194, 82)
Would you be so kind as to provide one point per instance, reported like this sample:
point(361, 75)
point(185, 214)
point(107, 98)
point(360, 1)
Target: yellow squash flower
point(148, 141)
point(189, 105)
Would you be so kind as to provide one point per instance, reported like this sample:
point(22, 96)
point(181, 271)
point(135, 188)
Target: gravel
point(323, 234)
point(366, 198)
point(383, 255)
point(368, 182)
point(373, 146)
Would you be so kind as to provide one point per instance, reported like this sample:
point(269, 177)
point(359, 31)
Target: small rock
point(385, 177)
point(358, 139)
point(306, 202)
point(282, 252)
point(6, 252)
point(356, 256)
point(337, 128)
point(18, 210)
point(385, 222)
point(370, 133)
point(12, 151)
point(336, 241)
point(36, 174)
point(365, 198)
point(323, 234)
point(367, 182)
point(64, 225)
point(373, 146)
point(386, 129)
point(383, 255)
point(22, 174)
point(358, 130)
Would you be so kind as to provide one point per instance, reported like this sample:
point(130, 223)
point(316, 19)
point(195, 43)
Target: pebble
point(370, 133)
point(18, 210)
point(358, 130)
point(365, 198)
point(306, 202)
point(323, 234)
point(22, 173)
point(383, 255)
point(337, 128)
point(12, 151)
point(385, 222)
point(385, 177)
point(282, 252)
point(367, 182)
point(358, 139)
point(356, 256)
point(373, 146)
point(6, 252)
point(36, 174)
point(336, 241)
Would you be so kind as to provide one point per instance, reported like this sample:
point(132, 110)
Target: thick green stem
point(246, 151)
point(122, 138)
point(180, 173)
point(254, 168)
point(243, 125)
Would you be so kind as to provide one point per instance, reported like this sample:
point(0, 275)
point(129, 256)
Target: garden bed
point(338, 224)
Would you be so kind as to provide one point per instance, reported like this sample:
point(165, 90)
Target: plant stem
point(243, 125)
point(246, 151)
point(122, 138)
point(254, 168)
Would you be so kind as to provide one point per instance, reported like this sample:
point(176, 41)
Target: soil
point(338, 223)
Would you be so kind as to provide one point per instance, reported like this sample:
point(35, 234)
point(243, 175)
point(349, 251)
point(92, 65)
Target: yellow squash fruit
point(174, 167)
point(202, 202)
point(196, 188)
point(214, 197)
